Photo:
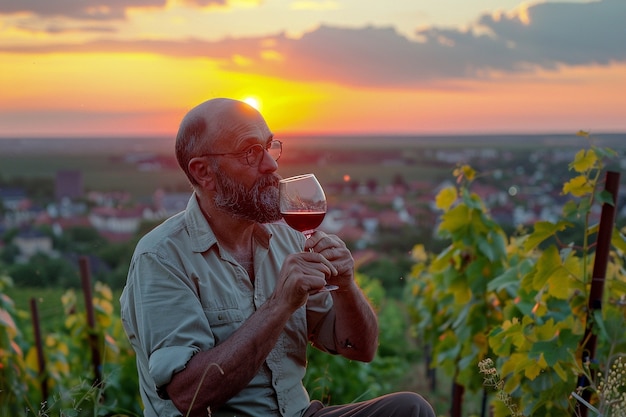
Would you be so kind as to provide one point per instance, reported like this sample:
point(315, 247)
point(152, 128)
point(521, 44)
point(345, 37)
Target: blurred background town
point(60, 198)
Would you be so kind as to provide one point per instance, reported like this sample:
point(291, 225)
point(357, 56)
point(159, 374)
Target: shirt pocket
point(223, 322)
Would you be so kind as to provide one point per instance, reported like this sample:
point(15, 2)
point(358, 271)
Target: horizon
point(164, 144)
point(297, 135)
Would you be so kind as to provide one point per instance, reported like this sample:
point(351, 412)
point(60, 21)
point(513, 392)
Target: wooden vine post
point(85, 276)
point(456, 407)
point(603, 248)
point(41, 359)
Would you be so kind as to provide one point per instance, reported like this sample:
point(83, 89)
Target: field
point(108, 164)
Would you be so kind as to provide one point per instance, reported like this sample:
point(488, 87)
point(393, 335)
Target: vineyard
point(528, 323)
point(534, 322)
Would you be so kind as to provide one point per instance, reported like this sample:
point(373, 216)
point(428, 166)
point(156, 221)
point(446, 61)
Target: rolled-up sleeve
point(165, 362)
point(167, 318)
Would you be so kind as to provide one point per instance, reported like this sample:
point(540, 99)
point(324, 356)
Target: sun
point(253, 101)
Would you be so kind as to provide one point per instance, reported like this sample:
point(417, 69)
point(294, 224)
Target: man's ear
point(201, 171)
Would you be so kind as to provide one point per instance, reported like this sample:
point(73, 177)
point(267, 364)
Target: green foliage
point(13, 371)
point(82, 240)
point(69, 374)
point(336, 380)
point(391, 272)
point(451, 303)
point(44, 271)
point(520, 299)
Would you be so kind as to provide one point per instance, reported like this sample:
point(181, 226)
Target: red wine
point(303, 220)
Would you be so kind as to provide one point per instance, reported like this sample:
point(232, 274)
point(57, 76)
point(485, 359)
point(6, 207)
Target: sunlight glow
point(254, 102)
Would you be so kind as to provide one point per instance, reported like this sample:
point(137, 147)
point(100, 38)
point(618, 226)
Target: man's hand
point(303, 273)
point(334, 250)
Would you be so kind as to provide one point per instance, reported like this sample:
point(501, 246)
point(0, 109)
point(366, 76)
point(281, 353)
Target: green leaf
point(442, 261)
point(510, 279)
point(584, 160)
point(562, 373)
point(460, 290)
point(7, 321)
point(605, 197)
point(605, 153)
point(455, 219)
point(570, 210)
point(560, 283)
point(578, 186)
point(533, 368)
point(550, 350)
point(543, 230)
point(547, 264)
point(611, 323)
point(500, 342)
point(492, 246)
point(472, 200)
point(618, 241)
point(445, 198)
point(618, 286)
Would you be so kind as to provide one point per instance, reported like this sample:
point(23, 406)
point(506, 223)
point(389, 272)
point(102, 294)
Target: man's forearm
point(220, 373)
point(356, 324)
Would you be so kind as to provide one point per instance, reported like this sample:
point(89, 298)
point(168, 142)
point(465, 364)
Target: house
point(167, 204)
point(31, 241)
point(116, 224)
point(13, 198)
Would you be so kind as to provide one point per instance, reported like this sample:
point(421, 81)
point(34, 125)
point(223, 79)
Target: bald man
point(223, 298)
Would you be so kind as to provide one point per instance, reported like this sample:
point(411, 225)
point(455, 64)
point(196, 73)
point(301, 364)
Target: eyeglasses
point(254, 154)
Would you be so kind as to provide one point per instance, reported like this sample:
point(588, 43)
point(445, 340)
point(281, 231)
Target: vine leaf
point(543, 230)
point(455, 219)
point(618, 241)
point(584, 160)
point(578, 186)
point(547, 265)
point(510, 278)
point(446, 198)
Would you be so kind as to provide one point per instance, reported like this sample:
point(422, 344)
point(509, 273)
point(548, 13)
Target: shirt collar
point(202, 237)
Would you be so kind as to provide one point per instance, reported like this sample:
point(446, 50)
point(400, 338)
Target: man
point(222, 299)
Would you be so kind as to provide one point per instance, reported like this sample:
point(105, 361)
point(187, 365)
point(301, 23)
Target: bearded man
point(223, 298)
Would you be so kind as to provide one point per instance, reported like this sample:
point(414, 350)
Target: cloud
point(77, 9)
point(550, 34)
point(54, 28)
point(204, 3)
point(539, 36)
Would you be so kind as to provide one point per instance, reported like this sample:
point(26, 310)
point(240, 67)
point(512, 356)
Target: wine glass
point(303, 205)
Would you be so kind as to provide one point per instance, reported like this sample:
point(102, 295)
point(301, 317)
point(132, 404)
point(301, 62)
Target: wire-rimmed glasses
point(254, 153)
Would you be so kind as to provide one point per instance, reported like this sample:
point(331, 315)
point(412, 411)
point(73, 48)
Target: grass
point(49, 306)
point(100, 173)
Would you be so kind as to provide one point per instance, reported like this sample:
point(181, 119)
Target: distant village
point(519, 190)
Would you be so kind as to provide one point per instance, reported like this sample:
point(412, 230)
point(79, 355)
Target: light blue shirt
point(185, 294)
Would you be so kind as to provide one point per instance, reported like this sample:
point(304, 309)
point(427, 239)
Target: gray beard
point(259, 204)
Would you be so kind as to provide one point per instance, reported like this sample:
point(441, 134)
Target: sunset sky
point(134, 67)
